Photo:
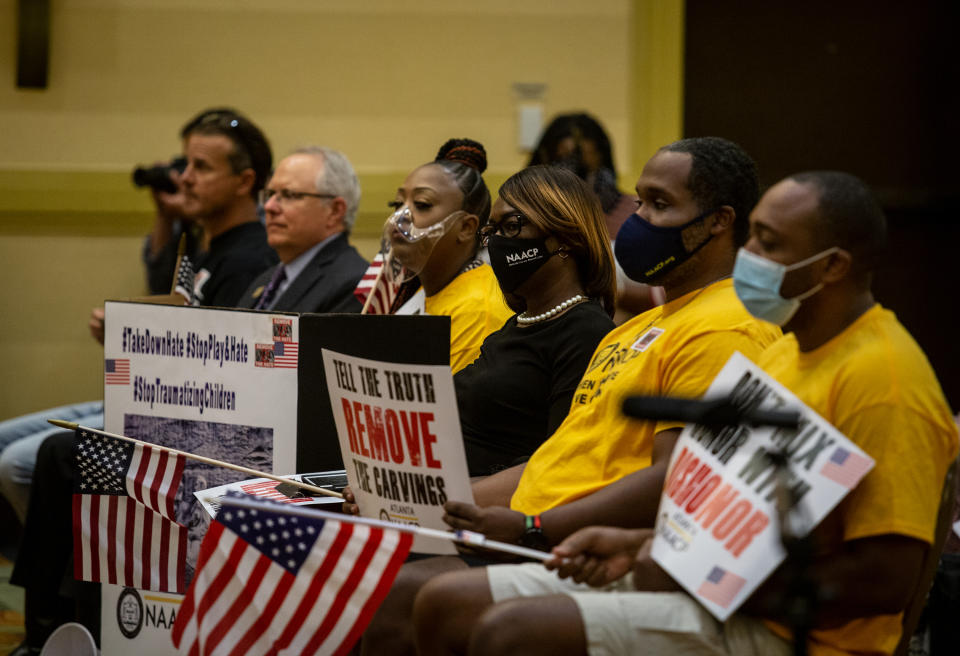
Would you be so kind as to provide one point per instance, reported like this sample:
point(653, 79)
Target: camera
point(158, 177)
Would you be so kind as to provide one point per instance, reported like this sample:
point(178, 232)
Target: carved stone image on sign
point(250, 446)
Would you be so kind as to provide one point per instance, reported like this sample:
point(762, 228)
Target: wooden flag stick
point(181, 250)
point(210, 461)
point(464, 537)
point(376, 283)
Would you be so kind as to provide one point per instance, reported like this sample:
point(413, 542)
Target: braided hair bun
point(466, 151)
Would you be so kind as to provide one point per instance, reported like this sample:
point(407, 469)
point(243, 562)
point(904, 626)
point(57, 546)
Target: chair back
point(911, 614)
point(70, 639)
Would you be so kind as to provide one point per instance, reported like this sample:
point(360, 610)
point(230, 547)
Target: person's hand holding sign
point(598, 555)
point(495, 522)
point(350, 506)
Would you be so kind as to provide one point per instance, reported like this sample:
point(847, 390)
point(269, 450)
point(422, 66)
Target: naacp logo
point(129, 613)
point(676, 531)
point(523, 256)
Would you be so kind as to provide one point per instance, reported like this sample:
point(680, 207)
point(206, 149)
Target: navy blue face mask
point(647, 252)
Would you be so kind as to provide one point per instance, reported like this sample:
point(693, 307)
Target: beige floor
point(11, 610)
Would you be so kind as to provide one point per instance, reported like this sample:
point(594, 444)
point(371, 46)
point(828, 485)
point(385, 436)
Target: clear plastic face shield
point(410, 246)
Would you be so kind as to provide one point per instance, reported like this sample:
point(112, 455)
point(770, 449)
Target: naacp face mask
point(646, 252)
point(515, 259)
point(411, 246)
point(757, 282)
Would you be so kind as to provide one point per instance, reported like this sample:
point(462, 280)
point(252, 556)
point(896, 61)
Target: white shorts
point(618, 619)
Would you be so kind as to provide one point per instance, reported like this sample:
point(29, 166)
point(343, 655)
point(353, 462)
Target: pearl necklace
point(524, 320)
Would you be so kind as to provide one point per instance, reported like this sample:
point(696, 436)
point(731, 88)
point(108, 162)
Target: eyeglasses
point(508, 227)
point(285, 196)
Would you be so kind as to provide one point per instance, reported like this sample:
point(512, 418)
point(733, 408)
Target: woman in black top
point(549, 250)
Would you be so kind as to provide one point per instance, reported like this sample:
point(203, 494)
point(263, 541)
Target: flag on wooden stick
point(270, 582)
point(376, 290)
point(124, 525)
point(184, 279)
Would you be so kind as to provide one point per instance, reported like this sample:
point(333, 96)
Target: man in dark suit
point(310, 205)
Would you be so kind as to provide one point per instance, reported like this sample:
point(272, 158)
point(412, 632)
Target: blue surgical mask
point(757, 282)
point(646, 252)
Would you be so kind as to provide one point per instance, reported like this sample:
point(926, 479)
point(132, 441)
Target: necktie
point(266, 298)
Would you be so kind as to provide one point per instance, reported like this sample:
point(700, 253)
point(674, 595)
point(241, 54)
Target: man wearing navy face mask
point(600, 467)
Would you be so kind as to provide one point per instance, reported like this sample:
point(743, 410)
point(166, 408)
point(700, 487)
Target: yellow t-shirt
point(476, 308)
point(874, 384)
point(672, 350)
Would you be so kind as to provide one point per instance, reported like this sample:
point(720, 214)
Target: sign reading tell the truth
point(400, 439)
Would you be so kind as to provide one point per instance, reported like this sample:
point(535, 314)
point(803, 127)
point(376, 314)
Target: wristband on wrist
point(533, 536)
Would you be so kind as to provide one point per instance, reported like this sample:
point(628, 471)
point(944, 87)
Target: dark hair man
point(228, 162)
point(814, 238)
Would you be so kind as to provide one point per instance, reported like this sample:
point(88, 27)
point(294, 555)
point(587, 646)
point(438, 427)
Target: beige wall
point(387, 82)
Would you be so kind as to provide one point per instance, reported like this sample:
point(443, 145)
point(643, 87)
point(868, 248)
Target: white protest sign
point(216, 383)
point(400, 438)
point(717, 531)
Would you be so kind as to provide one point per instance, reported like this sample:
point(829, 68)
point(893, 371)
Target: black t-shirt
point(235, 258)
point(519, 390)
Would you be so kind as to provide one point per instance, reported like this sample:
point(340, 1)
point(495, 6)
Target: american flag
point(285, 355)
point(376, 285)
point(270, 582)
point(124, 527)
point(267, 489)
point(846, 467)
point(183, 283)
point(720, 586)
point(116, 371)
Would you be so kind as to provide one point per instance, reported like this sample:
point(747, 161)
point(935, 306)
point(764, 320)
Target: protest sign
point(216, 383)
point(718, 531)
point(267, 488)
point(400, 437)
point(418, 339)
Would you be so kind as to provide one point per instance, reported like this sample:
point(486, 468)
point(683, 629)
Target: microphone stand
point(800, 604)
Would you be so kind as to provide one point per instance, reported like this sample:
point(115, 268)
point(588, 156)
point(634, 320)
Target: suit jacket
point(326, 284)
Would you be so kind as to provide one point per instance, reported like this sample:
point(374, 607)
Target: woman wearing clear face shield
point(433, 235)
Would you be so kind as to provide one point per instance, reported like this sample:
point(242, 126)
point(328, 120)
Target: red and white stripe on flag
point(269, 583)
point(378, 286)
point(125, 529)
point(267, 489)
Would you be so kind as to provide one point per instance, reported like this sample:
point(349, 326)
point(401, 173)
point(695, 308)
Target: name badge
point(646, 339)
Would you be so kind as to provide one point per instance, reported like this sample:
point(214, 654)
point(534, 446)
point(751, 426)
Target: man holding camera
point(226, 163)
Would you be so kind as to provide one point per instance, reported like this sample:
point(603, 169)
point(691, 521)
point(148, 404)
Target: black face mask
point(515, 259)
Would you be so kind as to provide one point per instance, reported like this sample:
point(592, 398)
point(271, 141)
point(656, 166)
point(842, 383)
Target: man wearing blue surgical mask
point(814, 240)
point(788, 264)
